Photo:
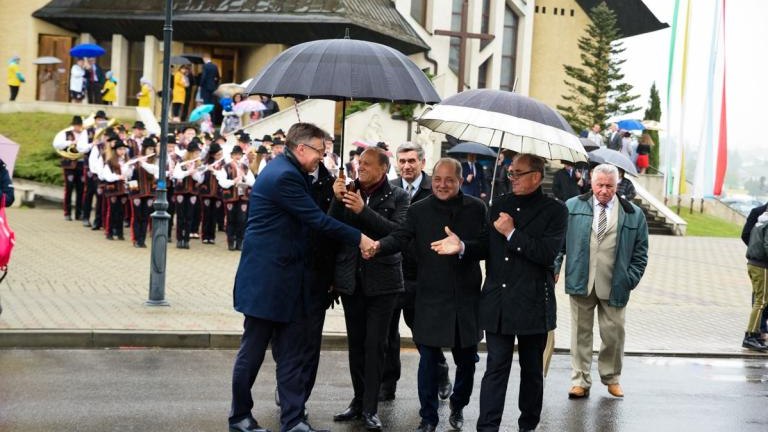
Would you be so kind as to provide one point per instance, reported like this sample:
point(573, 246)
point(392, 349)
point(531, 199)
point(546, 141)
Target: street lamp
point(160, 216)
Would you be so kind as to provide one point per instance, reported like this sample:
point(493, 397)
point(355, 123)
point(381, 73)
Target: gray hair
point(410, 146)
point(606, 169)
point(449, 161)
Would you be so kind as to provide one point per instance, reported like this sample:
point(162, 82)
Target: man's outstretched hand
point(451, 245)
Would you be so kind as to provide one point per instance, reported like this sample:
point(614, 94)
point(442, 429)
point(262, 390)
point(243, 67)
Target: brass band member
point(115, 174)
point(91, 176)
point(187, 177)
point(210, 193)
point(67, 143)
point(143, 191)
point(236, 187)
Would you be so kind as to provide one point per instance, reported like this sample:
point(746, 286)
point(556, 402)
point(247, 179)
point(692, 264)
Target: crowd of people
point(623, 141)
point(414, 245)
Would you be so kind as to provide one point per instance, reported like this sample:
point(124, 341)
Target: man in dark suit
point(448, 295)
point(518, 299)
point(410, 162)
point(369, 288)
point(567, 182)
point(209, 81)
point(614, 137)
point(474, 177)
point(276, 303)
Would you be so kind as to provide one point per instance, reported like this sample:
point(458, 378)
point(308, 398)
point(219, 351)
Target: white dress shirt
point(596, 208)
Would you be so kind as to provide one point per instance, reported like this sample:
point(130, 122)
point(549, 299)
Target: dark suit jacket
point(209, 82)
point(477, 186)
point(614, 141)
point(751, 221)
point(565, 186)
point(410, 264)
point(272, 275)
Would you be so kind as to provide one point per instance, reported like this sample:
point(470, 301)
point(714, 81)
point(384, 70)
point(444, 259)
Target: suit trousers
point(287, 348)
point(610, 320)
point(73, 184)
point(185, 207)
point(211, 207)
point(367, 319)
point(494, 385)
point(429, 378)
point(314, 338)
point(91, 188)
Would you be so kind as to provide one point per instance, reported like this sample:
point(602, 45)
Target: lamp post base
point(156, 303)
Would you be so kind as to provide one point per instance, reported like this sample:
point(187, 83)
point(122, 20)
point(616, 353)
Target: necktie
point(409, 189)
point(602, 223)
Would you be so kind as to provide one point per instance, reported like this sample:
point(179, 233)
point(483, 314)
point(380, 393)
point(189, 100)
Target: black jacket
point(380, 275)
point(565, 186)
point(519, 291)
point(448, 290)
point(6, 185)
point(323, 249)
point(410, 264)
point(751, 221)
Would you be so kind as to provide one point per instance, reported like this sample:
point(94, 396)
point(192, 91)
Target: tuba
point(71, 153)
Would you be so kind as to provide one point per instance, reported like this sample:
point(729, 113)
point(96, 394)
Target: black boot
point(754, 342)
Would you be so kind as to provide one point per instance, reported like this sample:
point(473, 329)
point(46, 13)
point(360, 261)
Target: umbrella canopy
point(507, 120)
point(8, 152)
point(179, 60)
point(200, 111)
point(87, 50)
point(652, 125)
point(630, 125)
point(47, 60)
point(229, 89)
point(344, 69)
point(588, 144)
point(248, 105)
point(612, 157)
point(193, 58)
point(246, 83)
point(472, 147)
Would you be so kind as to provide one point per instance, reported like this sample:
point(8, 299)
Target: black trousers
point(142, 208)
point(185, 207)
point(429, 378)
point(392, 366)
point(210, 209)
point(91, 188)
point(236, 215)
point(116, 215)
point(171, 208)
point(287, 348)
point(221, 214)
point(14, 92)
point(314, 337)
point(197, 214)
point(494, 385)
point(94, 92)
point(73, 184)
point(367, 319)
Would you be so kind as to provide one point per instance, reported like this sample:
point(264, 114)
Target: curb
point(126, 339)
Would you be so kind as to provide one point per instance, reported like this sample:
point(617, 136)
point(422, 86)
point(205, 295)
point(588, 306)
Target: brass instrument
point(70, 153)
point(100, 131)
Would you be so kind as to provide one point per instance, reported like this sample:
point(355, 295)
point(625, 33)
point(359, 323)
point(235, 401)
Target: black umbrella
point(186, 59)
point(344, 69)
point(472, 147)
point(588, 144)
point(612, 157)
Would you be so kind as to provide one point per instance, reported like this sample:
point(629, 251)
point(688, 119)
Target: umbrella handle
point(296, 107)
point(495, 167)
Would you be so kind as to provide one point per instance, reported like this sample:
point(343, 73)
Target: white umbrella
point(47, 60)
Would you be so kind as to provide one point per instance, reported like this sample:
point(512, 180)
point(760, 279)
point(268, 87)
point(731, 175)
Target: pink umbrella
point(8, 152)
point(248, 105)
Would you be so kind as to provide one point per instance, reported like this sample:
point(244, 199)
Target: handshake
point(368, 247)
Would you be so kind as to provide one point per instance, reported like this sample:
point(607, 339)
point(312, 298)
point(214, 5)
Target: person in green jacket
point(757, 268)
point(607, 248)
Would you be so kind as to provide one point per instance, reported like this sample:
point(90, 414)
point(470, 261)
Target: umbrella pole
point(296, 107)
point(343, 120)
point(495, 167)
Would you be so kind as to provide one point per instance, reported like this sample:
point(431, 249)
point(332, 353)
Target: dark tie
point(409, 189)
point(602, 223)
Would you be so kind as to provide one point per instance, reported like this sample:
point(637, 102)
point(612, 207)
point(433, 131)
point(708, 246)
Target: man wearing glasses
point(518, 298)
point(281, 217)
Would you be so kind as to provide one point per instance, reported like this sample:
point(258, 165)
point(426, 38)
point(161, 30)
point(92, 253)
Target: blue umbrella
point(630, 125)
point(87, 50)
point(472, 147)
point(200, 111)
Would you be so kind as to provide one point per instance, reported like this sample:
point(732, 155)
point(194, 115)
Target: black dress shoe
point(95, 227)
point(456, 418)
point(230, 245)
point(426, 427)
point(386, 393)
point(352, 412)
point(67, 218)
point(86, 223)
point(306, 427)
point(248, 424)
point(372, 422)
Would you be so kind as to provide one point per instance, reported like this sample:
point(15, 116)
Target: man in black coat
point(518, 299)
point(369, 288)
point(447, 298)
point(410, 161)
point(474, 177)
point(745, 232)
point(209, 81)
point(567, 182)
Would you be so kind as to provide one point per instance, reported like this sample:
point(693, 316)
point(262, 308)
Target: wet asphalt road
point(180, 390)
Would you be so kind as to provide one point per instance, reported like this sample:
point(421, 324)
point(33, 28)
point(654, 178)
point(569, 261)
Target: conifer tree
point(595, 89)
point(654, 113)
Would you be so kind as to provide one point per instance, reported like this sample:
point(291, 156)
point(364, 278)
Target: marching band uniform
point(70, 140)
point(115, 173)
point(173, 159)
point(210, 194)
point(187, 178)
point(91, 174)
point(236, 180)
point(143, 196)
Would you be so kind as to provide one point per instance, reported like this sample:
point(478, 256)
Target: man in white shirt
point(73, 142)
point(595, 137)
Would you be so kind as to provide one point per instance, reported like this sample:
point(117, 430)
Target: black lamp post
point(160, 217)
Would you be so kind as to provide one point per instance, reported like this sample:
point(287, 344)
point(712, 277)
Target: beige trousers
point(611, 324)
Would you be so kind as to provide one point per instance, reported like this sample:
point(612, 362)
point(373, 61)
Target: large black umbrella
point(344, 69)
point(472, 147)
point(186, 59)
point(612, 157)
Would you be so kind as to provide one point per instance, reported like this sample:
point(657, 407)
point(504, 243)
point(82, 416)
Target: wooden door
point(56, 46)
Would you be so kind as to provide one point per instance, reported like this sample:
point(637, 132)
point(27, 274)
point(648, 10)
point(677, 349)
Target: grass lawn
point(703, 225)
point(34, 132)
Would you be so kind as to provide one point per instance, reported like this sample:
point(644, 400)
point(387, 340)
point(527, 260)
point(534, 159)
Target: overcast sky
point(746, 34)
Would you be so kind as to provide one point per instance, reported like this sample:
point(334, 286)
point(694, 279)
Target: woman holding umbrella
point(180, 84)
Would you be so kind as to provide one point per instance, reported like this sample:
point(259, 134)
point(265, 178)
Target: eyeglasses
point(517, 175)
point(320, 152)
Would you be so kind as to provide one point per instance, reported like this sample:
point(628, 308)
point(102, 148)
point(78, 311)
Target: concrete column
point(152, 68)
point(120, 67)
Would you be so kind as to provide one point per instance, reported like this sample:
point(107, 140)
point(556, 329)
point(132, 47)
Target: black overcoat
point(448, 290)
point(519, 291)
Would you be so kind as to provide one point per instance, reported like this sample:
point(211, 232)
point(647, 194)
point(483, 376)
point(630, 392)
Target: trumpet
point(101, 130)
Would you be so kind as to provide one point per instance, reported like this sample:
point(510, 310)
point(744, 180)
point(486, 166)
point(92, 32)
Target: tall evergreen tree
point(654, 113)
point(596, 91)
